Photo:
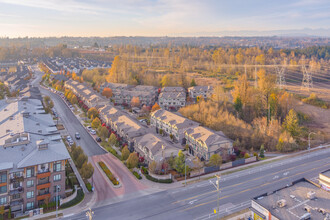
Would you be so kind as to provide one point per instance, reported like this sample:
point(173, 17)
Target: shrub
point(137, 175)
point(246, 155)
point(157, 180)
point(89, 187)
point(108, 173)
point(144, 170)
point(232, 157)
point(78, 199)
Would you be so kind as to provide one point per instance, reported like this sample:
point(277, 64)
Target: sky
point(104, 18)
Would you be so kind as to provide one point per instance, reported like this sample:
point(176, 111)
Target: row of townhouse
point(86, 94)
point(16, 80)
point(202, 142)
point(172, 98)
point(124, 93)
point(171, 124)
point(200, 91)
point(32, 156)
point(138, 136)
point(77, 65)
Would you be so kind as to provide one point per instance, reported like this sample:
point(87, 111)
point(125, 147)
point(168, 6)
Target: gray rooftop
point(296, 200)
point(23, 127)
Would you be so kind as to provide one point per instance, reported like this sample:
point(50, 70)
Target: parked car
point(98, 139)
point(71, 142)
point(89, 128)
point(77, 135)
point(93, 131)
point(68, 138)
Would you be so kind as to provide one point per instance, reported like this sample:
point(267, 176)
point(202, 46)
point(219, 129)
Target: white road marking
point(192, 201)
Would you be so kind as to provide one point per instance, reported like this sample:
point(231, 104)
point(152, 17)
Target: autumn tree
point(96, 122)
point(180, 162)
point(113, 140)
point(82, 158)
point(152, 167)
point(132, 160)
point(266, 84)
point(125, 153)
point(115, 70)
point(103, 132)
point(135, 102)
point(87, 170)
point(291, 123)
point(92, 113)
point(155, 107)
point(215, 160)
point(107, 92)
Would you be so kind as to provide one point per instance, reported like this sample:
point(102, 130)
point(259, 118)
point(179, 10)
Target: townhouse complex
point(127, 128)
point(172, 98)
point(202, 142)
point(124, 93)
point(200, 91)
point(15, 80)
point(86, 94)
point(32, 156)
point(77, 65)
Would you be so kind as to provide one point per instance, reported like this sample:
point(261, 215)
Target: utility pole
point(217, 186)
point(309, 139)
point(280, 78)
point(89, 214)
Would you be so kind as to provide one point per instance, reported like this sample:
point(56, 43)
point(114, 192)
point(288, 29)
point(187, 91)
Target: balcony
point(43, 185)
point(16, 191)
point(43, 173)
point(16, 202)
point(14, 179)
point(43, 196)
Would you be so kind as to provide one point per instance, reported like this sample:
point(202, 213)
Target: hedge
point(89, 187)
point(158, 180)
point(108, 173)
point(137, 175)
point(75, 201)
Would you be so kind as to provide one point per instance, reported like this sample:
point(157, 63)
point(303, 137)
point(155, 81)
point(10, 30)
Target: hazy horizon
point(88, 18)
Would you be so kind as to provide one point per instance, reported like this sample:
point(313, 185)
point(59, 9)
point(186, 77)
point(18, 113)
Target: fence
point(161, 177)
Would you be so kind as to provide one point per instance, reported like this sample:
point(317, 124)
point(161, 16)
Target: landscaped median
point(115, 183)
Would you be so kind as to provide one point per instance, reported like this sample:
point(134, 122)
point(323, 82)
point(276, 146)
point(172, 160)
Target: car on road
point(98, 139)
point(77, 135)
point(93, 131)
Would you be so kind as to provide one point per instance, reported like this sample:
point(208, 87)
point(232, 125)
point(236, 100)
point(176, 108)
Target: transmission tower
point(307, 81)
point(280, 73)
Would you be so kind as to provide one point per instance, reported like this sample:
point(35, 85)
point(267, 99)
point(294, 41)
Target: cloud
point(57, 5)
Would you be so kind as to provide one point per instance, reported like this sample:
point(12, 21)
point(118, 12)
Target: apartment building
point(172, 98)
point(86, 94)
point(152, 148)
point(204, 142)
point(32, 156)
point(200, 91)
point(171, 124)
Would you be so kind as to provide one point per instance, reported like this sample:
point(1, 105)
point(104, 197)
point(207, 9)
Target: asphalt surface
point(197, 201)
point(70, 122)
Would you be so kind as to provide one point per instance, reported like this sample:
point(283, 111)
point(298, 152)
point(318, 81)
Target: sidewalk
point(81, 182)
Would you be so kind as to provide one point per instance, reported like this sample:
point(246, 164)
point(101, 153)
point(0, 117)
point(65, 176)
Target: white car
point(93, 131)
point(89, 128)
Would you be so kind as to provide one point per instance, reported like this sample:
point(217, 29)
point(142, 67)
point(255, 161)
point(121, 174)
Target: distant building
point(172, 98)
point(204, 142)
point(301, 200)
point(32, 156)
point(201, 91)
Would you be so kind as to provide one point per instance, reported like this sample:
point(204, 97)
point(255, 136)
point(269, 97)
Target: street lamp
point(185, 171)
point(90, 214)
point(217, 186)
point(309, 139)
point(57, 188)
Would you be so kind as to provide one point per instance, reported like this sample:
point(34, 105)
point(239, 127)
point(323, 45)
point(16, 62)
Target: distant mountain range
point(306, 32)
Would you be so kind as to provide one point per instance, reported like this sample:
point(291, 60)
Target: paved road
point(71, 123)
point(197, 201)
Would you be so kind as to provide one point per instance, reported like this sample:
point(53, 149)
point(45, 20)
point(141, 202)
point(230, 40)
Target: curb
point(106, 177)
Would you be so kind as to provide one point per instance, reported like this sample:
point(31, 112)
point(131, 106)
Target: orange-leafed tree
point(155, 107)
point(107, 92)
point(135, 102)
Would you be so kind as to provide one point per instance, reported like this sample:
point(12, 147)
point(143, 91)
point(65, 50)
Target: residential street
point(197, 201)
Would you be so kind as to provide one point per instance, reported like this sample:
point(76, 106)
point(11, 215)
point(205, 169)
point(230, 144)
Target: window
point(58, 188)
point(57, 166)
point(29, 183)
point(29, 172)
point(3, 189)
point(29, 205)
point(3, 200)
point(3, 177)
point(29, 195)
point(57, 177)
